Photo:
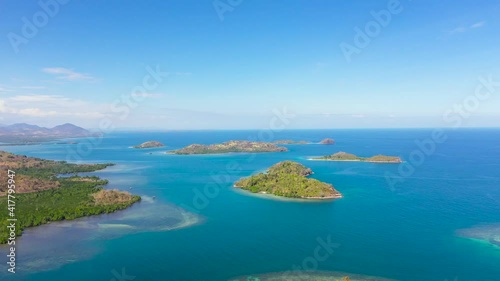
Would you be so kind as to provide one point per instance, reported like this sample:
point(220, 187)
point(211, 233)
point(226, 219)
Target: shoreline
point(284, 198)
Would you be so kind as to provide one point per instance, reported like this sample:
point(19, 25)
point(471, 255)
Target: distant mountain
point(22, 132)
point(24, 129)
point(69, 129)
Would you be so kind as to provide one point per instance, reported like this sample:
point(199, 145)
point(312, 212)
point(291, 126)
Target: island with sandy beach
point(234, 146)
point(344, 156)
point(288, 179)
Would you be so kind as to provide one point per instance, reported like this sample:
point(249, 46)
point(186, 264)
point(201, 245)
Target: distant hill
point(22, 132)
point(69, 129)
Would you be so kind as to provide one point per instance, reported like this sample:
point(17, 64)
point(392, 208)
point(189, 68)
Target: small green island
point(150, 144)
point(344, 156)
point(288, 179)
point(43, 196)
point(233, 146)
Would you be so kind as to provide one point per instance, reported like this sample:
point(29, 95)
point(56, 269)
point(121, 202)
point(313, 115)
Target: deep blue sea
point(439, 220)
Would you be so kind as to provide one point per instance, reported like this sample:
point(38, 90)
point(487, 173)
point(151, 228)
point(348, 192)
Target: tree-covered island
point(288, 179)
point(230, 147)
point(344, 156)
point(38, 195)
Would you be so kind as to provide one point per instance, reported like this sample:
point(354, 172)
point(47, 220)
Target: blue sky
point(233, 64)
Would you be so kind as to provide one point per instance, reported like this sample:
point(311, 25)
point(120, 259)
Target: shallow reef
point(310, 276)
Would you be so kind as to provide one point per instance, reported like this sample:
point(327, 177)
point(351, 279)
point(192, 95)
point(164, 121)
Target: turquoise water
point(192, 225)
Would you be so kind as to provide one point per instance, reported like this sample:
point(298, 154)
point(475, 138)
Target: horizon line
point(297, 129)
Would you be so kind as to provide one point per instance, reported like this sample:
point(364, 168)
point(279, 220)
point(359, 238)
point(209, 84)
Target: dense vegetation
point(343, 156)
point(35, 174)
point(230, 146)
point(327, 141)
point(288, 179)
point(74, 199)
point(289, 167)
point(150, 144)
point(42, 197)
point(112, 197)
point(384, 159)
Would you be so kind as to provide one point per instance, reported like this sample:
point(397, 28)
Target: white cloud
point(37, 98)
point(458, 30)
point(67, 74)
point(36, 112)
point(51, 106)
point(3, 89)
point(462, 29)
point(478, 24)
point(33, 87)
point(146, 95)
point(3, 108)
point(47, 100)
point(158, 117)
point(87, 115)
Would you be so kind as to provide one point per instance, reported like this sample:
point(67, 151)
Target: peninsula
point(229, 147)
point(288, 179)
point(150, 144)
point(343, 156)
point(41, 196)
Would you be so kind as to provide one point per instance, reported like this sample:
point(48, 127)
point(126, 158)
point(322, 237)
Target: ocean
point(434, 217)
